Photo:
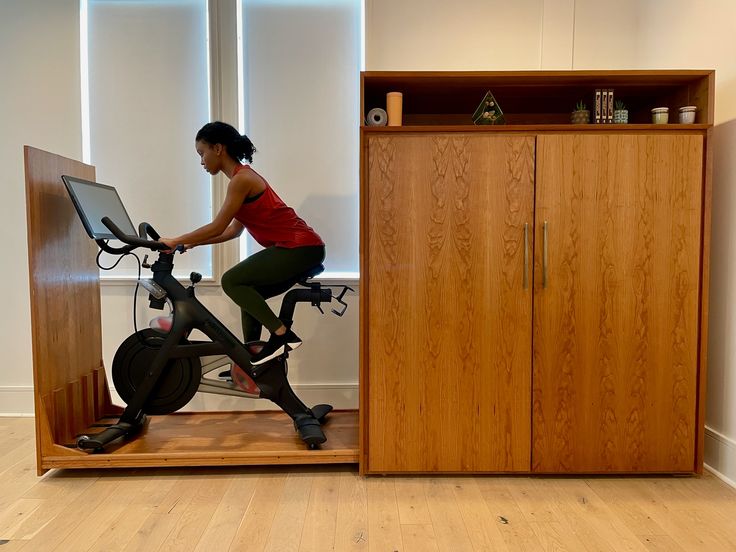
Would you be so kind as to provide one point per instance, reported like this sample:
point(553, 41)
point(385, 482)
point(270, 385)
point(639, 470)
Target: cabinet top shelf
point(541, 77)
point(537, 98)
point(539, 128)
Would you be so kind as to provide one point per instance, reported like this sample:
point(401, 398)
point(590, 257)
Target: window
point(301, 63)
point(148, 90)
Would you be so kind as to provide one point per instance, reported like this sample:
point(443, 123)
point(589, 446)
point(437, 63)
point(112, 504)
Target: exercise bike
point(158, 372)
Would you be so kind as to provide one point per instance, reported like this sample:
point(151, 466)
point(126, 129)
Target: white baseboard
point(720, 456)
point(16, 401)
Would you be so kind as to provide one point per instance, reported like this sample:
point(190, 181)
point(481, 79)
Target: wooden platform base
point(218, 439)
point(70, 386)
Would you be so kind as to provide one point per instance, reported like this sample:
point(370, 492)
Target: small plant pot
point(581, 117)
point(621, 116)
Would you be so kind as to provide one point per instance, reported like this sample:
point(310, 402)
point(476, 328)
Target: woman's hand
point(170, 243)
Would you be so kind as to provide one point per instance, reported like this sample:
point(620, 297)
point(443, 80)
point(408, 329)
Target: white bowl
point(687, 117)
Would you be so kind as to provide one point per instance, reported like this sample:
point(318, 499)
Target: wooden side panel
point(65, 297)
point(448, 316)
point(704, 300)
point(616, 327)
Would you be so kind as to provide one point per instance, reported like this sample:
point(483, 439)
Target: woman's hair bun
point(242, 148)
point(238, 146)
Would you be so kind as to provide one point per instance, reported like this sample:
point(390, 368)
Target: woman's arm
point(232, 231)
point(238, 189)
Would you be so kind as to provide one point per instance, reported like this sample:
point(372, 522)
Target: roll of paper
point(376, 117)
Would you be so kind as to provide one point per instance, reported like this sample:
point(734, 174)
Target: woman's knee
point(229, 283)
point(235, 282)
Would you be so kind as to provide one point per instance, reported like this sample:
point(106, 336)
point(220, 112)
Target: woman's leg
point(271, 271)
point(251, 326)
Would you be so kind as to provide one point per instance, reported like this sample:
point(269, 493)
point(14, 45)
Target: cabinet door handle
point(526, 255)
point(544, 255)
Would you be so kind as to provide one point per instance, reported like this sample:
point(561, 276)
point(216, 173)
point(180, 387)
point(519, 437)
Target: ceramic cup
point(687, 114)
point(660, 115)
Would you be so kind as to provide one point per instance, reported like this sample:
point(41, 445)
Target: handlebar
point(145, 229)
point(136, 241)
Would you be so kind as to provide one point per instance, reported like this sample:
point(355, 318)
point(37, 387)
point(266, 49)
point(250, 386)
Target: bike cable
point(135, 293)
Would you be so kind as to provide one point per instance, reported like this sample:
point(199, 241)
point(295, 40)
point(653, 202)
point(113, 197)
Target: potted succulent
point(620, 113)
point(581, 115)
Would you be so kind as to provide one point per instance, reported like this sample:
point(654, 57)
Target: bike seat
point(311, 273)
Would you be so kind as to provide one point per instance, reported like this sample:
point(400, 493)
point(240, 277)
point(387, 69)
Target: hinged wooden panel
point(448, 315)
point(616, 325)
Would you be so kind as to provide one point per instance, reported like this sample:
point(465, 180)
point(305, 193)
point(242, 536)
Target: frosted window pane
point(148, 97)
point(301, 72)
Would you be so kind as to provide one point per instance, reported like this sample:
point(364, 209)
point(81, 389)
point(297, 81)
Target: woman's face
point(209, 156)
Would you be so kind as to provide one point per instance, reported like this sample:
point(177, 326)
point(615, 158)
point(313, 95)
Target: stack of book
point(604, 105)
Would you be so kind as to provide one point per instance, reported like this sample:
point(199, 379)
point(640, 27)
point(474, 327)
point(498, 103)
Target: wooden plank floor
point(330, 507)
point(221, 439)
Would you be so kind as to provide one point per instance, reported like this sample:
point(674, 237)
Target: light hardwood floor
point(332, 508)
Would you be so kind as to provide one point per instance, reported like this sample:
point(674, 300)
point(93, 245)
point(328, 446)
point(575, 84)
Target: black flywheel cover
point(176, 386)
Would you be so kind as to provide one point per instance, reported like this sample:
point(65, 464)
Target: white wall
point(41, 107)
point(435, 35)
point(493, 35)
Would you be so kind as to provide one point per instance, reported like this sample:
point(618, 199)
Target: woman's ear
point(218, 149)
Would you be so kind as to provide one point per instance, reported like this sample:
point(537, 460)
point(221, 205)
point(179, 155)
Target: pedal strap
point(305, 421)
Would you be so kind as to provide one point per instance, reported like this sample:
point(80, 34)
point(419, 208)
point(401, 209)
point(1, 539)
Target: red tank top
point(271, 222)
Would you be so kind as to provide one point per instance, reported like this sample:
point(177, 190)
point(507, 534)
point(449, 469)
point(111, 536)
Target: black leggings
point(265, 274)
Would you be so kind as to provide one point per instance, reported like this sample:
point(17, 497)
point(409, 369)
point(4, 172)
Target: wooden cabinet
point(449, 243)
point(534, 296)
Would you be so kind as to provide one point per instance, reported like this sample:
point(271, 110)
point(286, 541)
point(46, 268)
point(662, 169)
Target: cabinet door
point(616, 321)
point(449, 318)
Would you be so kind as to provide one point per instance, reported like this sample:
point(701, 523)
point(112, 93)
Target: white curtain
point(301, 95)
point(148, 96)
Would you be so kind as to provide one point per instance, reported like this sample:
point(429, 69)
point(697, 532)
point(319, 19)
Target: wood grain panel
point(704, 301)
point(219, 439)
point(616, 327)
point(64, 278)
point(65, 298)
point(448, 318)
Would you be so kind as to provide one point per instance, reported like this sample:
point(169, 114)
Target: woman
point(291, 247)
